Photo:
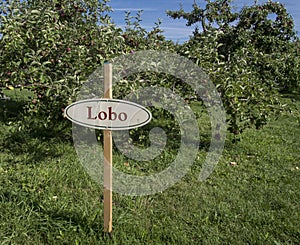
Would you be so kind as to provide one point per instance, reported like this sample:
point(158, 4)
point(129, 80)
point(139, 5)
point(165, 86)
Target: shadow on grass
point(33, 142)
point(25, 138)
point(10, 110)
point(27, 148)
point(12, 103)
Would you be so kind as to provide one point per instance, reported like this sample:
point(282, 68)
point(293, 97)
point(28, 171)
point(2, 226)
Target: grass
point(46, 197)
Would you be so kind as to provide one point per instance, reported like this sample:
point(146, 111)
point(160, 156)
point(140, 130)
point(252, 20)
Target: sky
point(176, 30)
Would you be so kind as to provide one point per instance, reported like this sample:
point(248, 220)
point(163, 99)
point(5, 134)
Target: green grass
point(47, 198)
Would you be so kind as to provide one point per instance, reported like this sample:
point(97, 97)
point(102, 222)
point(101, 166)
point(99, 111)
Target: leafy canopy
point(51, 47)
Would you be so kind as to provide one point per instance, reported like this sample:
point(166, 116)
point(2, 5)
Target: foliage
point(215, 16)
point(52, 47)
point(137, 38)
point(270, 30)
point(248, 55)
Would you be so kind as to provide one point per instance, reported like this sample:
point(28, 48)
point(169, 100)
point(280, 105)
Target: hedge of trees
point(51, 47)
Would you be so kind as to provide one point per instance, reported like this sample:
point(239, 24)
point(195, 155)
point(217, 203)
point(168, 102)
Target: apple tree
point(250, 56)
point(50, 47)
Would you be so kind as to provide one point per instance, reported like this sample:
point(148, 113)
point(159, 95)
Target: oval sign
point(109, 114)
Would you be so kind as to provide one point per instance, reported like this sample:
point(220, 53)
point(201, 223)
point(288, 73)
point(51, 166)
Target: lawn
point(252, 197)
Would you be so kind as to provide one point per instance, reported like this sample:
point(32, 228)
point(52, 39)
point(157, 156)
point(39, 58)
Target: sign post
point(108, 114)
point(107, 142)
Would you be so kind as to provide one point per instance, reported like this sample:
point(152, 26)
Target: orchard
point(50, 48)
point(176, 178)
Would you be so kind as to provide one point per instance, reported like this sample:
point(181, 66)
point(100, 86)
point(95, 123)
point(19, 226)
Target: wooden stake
point(107, 141)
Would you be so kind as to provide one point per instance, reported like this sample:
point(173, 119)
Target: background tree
point(250, 56)
point(50, 47)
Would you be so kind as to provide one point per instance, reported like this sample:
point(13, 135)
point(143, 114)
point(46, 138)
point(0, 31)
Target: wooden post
point(107, 141)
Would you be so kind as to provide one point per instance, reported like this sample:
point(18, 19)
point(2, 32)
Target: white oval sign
point(109, 114)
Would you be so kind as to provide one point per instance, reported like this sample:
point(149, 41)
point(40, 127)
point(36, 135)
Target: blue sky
point(176, 30)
